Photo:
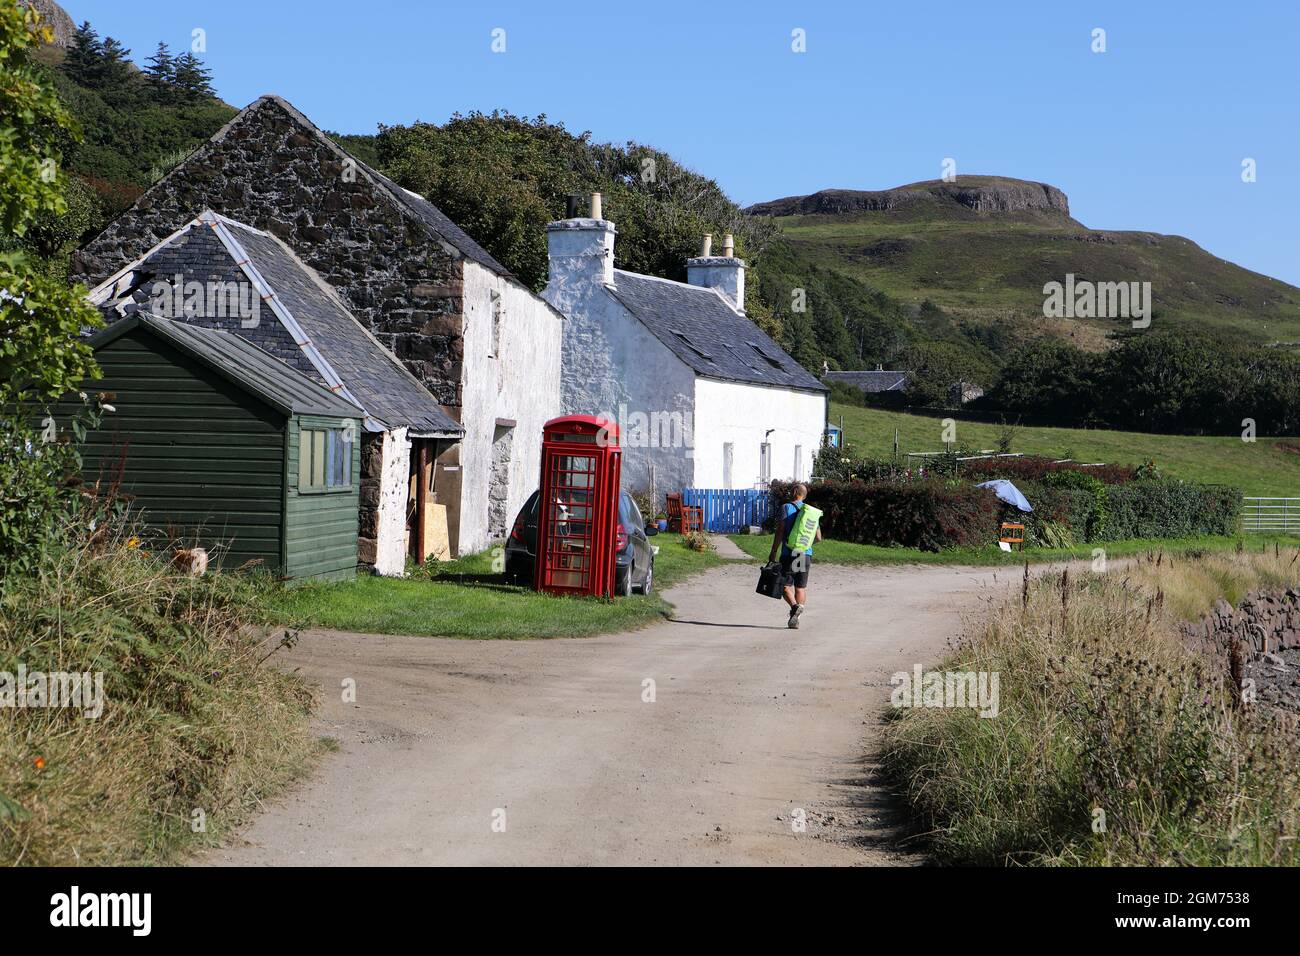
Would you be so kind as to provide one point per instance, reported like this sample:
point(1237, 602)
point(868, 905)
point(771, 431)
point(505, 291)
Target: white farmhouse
point(703, 397)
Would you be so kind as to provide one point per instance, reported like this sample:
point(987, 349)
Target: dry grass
point(194, 719)
point(1107, 718)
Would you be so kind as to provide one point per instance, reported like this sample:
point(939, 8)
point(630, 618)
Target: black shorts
point(794, 570)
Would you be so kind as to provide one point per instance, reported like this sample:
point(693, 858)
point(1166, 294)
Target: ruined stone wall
point(1257, 642)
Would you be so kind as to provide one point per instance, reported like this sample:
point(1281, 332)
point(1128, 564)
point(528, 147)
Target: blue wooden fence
point(729, 510)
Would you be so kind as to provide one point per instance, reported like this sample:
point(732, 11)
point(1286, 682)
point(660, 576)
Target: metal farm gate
point(1270, 515)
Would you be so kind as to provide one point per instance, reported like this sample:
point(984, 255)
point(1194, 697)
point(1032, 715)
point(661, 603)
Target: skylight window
point(775, 363)
point(692, 346)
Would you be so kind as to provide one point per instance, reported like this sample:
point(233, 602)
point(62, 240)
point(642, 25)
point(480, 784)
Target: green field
point(1262, 468)
point(991, 267)
point(466, 598)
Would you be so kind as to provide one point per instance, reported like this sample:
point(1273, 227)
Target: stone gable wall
point(267, 170)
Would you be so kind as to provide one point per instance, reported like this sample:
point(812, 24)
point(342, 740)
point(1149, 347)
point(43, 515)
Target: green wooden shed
point(219, 443)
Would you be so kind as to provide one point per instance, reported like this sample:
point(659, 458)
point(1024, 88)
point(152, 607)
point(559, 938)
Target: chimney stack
point(581, 249)
point(725, 273)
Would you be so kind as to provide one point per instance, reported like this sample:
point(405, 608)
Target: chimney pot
point(596, 212)
point(706, 247)
point(729, 246)
point(573, 206)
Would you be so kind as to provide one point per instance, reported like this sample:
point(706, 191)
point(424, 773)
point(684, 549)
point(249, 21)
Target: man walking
point(795, 534)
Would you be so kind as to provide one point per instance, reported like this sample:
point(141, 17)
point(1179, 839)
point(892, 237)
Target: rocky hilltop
point(979, 194)
point(54, 17)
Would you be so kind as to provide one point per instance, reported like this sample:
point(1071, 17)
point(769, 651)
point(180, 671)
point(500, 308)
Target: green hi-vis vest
point(804, 531)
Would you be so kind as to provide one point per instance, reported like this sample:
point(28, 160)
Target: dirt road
point(546, 752)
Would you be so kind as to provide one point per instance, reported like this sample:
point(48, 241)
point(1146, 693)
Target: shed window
point(324, 460)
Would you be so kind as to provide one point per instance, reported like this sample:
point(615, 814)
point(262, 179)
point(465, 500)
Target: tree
point(114, 65)
point(193, 80)
point(41, 356)
point(85, 55)
point(160, 72)
point(1048, 379)
point(503, 177)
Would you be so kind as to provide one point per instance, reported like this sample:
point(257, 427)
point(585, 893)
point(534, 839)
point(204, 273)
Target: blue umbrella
point(1008, 493)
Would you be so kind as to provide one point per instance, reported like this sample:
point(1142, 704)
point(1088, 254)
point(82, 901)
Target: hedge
point(928, 515)
point(1170, 509)
point(934, 515)
point(1141, 509)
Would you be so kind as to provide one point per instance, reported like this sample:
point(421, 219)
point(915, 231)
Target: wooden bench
point(684, 517)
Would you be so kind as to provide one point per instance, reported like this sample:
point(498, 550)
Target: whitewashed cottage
point(704, 398)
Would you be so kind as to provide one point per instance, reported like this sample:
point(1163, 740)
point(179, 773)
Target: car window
point(629, 512)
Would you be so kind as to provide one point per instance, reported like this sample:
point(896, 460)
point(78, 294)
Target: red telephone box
point(578, 506)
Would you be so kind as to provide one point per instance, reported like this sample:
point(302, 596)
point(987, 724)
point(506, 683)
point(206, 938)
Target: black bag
point(771, 581)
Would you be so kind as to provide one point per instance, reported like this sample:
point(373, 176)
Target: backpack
point(804, 530)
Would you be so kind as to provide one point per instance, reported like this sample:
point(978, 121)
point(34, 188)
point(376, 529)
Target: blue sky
point(1149, 135)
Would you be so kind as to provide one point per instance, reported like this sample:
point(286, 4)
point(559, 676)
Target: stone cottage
point(216, 273)
point(477, 339)
point(703, 397)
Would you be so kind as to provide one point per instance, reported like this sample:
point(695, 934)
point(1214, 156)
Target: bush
point(1141, 509)
point(1170, 509)
point(836, 464)
point(40, 475)
point(929, 515)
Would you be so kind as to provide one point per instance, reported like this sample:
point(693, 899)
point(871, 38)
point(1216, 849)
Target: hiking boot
point(794, 616)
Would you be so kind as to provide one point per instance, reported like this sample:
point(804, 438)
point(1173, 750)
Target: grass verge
point(196, 726)
point(848, 552)
point(1114, 743)
point(467, 598)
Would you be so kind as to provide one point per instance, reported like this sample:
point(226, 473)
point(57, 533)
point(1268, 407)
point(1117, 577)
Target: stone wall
point(1257, 642)
point(271, 169)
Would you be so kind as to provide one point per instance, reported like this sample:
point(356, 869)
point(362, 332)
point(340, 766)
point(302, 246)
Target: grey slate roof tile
point(702, 329)
point(258, 372)
point(378, 381)
point(880, 380)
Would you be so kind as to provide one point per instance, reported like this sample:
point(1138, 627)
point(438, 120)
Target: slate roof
point(311, 330)
point(879, 380)
point(238, 361)
point(701, 328)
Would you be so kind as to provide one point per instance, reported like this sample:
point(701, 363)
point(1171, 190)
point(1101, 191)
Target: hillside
point(981, 248)
point(1269, 466)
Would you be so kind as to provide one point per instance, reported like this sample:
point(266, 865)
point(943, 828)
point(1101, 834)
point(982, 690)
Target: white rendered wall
point(741, 414)
point(520, 383)
point(394, 490)
point(615, 367)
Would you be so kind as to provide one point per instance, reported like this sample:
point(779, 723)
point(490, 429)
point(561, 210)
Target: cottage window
point(765, 462)
point(324, 460)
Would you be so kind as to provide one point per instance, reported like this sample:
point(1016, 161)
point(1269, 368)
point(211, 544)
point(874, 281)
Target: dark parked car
point(634, 560)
